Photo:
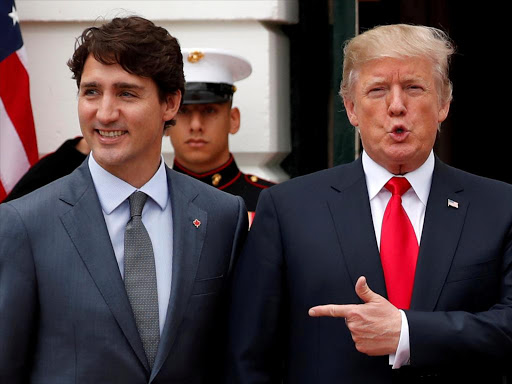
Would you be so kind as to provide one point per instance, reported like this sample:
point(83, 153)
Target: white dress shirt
point(156, 216)
point(414, 202)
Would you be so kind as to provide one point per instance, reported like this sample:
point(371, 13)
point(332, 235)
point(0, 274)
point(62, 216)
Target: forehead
point(400, 69)
point(111, 75)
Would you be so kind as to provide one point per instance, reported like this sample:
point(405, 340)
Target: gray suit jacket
point(64, 312)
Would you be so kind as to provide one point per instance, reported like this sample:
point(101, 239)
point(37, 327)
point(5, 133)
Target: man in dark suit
point(117, 273)
point(394, 268)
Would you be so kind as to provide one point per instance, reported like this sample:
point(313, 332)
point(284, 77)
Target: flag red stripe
point(15, 94)
point(3, 195)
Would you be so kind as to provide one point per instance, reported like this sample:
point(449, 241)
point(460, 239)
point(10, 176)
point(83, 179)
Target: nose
point(196, 123)
point(108, 111)
point(397, 102)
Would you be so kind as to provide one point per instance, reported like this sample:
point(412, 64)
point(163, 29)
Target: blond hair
point(399, 41)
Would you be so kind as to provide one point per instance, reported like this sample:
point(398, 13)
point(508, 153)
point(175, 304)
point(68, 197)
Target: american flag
point(18, 145)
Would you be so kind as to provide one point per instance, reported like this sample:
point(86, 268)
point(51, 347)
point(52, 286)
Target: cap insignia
point(194, 57)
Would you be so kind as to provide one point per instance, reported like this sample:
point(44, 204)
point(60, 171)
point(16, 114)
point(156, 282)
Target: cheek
point(430, 124)
point(221, 137)
point(177, 131)
point(372, 116)
point(85, 112)
point(431, 134)
point(174, 141)
point(178, 137)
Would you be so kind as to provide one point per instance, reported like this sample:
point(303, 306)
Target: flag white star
point(14, 16)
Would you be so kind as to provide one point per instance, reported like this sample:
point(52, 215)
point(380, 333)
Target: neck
point(200, 168)
point(136, 174)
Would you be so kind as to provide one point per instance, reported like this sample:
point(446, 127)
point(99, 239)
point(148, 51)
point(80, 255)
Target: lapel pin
point(453, 204)
point(197, 223)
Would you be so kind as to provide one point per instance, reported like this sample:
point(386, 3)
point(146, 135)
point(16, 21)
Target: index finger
point(331, 310)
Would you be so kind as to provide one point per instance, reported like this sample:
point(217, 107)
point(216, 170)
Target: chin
point(401, 154)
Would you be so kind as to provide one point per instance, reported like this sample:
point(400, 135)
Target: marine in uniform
point(207, 118)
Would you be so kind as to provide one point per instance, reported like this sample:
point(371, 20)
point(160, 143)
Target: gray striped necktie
point(140, 277)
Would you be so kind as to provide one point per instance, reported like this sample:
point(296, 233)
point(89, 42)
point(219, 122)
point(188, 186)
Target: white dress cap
point(209, 65)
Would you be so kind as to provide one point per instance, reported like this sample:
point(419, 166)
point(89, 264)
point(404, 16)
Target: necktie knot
point(398, 185)
point(137, 200)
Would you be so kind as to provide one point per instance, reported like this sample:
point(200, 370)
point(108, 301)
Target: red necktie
point(398, 246)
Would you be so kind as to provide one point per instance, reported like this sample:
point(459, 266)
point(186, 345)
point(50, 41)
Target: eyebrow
point(128, 86)
point(89, 84)
point(120, 85)
point(373, 82)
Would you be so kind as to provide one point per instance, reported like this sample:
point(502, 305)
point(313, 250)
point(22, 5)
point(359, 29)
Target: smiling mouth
point(111, 133)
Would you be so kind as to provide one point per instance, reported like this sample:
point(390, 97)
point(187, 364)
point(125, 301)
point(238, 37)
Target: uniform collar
point(220, 177)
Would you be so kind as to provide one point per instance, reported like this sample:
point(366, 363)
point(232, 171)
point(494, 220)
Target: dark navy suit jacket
point(311, 240)
point(64, 313)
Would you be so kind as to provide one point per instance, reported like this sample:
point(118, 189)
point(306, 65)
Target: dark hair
point(139, 47)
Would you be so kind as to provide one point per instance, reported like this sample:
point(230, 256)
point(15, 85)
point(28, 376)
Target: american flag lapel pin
point(196, 223)
point(453, 204)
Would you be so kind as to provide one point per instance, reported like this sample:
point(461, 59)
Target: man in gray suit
point(118, 272)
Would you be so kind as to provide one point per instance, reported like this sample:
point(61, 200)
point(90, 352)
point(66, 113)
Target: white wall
point(249, 28)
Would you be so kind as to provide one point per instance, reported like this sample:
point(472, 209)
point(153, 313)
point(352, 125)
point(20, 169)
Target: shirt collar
point(112, 191)
point(420, 179)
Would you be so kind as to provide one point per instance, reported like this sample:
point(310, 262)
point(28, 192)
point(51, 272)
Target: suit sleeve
point(217, 361)
point(18, 298)
point(456, 337)
point(255, 335)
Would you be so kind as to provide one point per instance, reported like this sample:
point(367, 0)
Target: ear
point(351, 111)
point(234, 120)
point(443, 112)
point(171, 105)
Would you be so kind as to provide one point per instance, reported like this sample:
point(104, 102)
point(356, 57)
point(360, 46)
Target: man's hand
point(374, 325)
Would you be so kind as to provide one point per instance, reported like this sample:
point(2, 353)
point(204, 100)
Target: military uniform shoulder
point(258, 181)
point(191, 184)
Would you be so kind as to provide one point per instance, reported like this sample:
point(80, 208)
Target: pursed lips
point(399, 129)
point(399, 133)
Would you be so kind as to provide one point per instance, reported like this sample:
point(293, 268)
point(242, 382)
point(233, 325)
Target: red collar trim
point(231, 181)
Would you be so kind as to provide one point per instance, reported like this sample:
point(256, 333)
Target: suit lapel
point(351, 213)
point(93, 244)
point(441, 232)
point(187, 245)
